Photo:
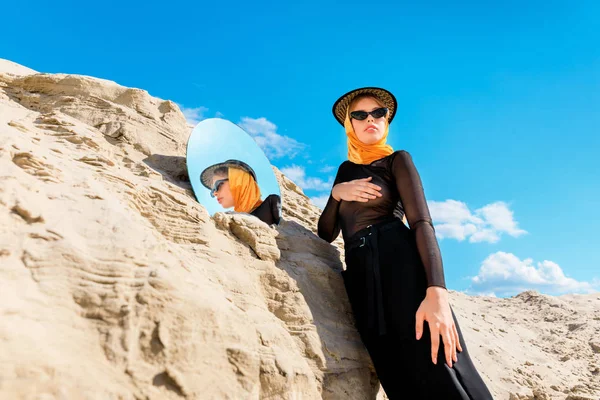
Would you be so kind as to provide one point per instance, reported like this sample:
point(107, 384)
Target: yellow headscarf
point(244, 189)
point(360, 153)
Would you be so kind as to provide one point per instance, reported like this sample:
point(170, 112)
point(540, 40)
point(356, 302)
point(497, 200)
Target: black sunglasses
point(217, 186)
point(362, 115)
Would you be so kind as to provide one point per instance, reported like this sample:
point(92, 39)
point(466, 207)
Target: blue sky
point(499, 105)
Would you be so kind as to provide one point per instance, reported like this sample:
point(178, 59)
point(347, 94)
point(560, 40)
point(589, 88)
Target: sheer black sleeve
point(413, 199)
point(276, 208)
point(269, 210)
point(329, 226)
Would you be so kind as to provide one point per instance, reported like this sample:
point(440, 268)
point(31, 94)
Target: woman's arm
point(328, 227)
point(416, 210)
point(276, 208)
point(435, 308)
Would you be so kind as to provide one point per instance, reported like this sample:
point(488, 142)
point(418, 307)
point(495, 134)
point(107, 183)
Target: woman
point(394, 276)
point(234, 184)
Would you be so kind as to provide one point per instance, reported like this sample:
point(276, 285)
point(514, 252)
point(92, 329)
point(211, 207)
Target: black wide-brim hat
point(207, 175)
point(340, 107)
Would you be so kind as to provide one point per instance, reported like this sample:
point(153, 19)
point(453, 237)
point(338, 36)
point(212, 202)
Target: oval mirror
point(230, 172)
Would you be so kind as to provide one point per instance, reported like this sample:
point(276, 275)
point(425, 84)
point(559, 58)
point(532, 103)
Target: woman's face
point(223, 195)
point(370, 130)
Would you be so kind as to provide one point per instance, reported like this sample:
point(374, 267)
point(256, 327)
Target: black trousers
point(385, 282)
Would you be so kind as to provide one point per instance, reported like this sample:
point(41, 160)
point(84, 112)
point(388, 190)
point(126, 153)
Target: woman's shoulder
point(275, 202)
point(398, 160)
point(273, 198)
point(345, 163)
point(400, 155)
point(390, 158)
point(344, 167)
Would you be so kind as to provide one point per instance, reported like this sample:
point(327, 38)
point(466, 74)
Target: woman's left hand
point(435, 309)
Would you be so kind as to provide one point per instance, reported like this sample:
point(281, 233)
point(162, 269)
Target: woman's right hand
point(357, 190)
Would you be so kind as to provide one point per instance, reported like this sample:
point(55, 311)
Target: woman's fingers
point(370, 185)
point(435, 342)
point(449, 346)
point(364, 182)
point(366, 192)
point(454, 356)
point(457, 338)
point(362, 190)
point(445, 333)
point(364, 196)
point(372, 190)
point(370, 194)
point(419, 321)
point(360, 195)
point(454, 334)
point(360, 198)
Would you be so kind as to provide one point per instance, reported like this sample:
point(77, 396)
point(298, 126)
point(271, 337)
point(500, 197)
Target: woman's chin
point(370, 139)
point(369, 142)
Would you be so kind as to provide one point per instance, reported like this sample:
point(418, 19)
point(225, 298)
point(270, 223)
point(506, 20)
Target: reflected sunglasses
point(217, 186)
point(362, 115)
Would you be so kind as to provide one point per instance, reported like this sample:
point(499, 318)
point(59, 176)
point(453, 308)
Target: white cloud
point(193, 115)
point(500, 218)
point(484, 235)
point(454, 231)
point(452, 212)
point(454, 220)
point(265, 134)
point(327, 169)
point(506, 274)
point(298, 175)
point(295, 173)
point(470, 292)
point(487, 294)
point(320, 201)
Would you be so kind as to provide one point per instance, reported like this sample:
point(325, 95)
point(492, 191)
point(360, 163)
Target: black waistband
point(359, 238)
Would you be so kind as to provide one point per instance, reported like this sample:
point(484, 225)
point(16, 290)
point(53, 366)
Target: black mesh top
point(402, 193)
point(269, 210)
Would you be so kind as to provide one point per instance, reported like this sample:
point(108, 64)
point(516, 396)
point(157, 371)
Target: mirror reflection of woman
point(233, 183)
point(394, 276)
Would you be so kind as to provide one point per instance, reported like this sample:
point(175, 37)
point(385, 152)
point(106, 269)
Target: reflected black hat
point(207, 175)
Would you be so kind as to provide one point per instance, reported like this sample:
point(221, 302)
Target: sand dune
point(117, 284)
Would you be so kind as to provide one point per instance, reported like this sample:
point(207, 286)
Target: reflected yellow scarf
point(360, 153)
point(244, 189)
